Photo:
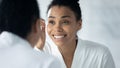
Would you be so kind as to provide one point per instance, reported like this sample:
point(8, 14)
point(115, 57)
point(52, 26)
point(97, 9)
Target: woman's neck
point(67, 52)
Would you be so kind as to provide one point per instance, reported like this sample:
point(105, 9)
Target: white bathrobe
point(16, 52)
point(87, 55)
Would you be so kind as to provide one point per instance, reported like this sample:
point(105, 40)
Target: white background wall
point(101, 23)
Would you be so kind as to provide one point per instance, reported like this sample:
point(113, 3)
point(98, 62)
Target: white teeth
point(58, 37)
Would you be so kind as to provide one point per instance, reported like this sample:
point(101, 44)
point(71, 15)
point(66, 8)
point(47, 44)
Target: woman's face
point(62, 25)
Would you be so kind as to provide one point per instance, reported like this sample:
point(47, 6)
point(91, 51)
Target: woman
point(64, 21)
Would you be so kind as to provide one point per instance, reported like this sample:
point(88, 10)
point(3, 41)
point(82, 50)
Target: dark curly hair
point(18, 16)
point(72, 4)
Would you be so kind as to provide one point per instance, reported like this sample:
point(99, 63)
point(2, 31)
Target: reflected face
point(62, 25)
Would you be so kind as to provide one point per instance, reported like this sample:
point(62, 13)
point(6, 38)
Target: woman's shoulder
point(94, 46)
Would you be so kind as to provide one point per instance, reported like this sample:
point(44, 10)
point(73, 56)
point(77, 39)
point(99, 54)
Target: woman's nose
point(58, 28)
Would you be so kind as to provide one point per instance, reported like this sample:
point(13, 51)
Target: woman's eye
point(51, 22)
point(66, 22)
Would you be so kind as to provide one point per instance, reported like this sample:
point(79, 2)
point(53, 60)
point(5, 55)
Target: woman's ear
point(42, 24)
point(36, 26)
point(79, 25)
point(35, 33)
point(41, 41)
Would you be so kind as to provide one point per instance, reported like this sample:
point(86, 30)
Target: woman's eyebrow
point(65, 16)
point(51, 17)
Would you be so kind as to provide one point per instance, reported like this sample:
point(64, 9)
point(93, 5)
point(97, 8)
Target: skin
point(41, 41)
point(35, 33)
point(62, 28)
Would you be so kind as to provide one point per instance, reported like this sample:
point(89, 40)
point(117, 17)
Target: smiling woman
point(64, 21)
point(62, 26)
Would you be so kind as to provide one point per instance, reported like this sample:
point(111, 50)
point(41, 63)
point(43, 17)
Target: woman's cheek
point(49, 29)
